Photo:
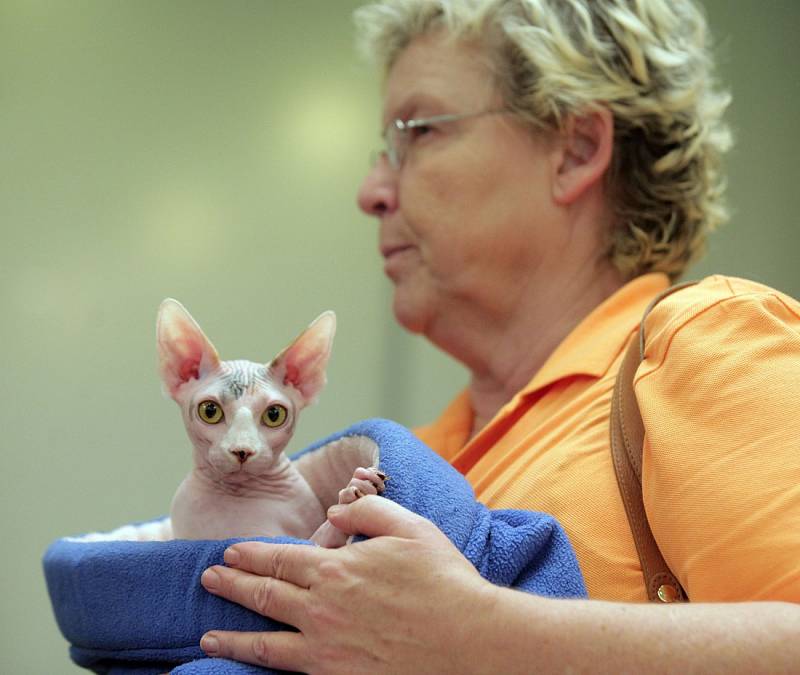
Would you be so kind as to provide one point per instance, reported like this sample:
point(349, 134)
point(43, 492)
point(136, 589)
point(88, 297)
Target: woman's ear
point(584, 155)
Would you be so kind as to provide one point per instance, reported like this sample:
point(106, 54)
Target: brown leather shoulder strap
point(627, 440)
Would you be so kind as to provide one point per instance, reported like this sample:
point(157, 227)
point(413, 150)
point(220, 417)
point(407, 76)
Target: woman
point(550, 166)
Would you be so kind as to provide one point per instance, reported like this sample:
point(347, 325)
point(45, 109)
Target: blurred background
point(210, 151)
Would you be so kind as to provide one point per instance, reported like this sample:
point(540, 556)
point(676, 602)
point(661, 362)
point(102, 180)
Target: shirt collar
point(589, 349)
point(595, 342)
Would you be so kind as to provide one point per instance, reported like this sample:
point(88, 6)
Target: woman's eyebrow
point(415, 105)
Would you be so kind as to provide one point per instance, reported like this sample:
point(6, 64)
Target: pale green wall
point(210, 151)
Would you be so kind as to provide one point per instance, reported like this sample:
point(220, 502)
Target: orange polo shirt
point(719, 392)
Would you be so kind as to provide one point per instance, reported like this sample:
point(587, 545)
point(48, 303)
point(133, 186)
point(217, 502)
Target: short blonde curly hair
point(647, 61)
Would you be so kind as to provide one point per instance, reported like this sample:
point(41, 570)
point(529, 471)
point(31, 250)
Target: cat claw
point(377, 477)
point(364, 482)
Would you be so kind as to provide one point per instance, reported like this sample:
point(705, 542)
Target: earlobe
point(584, 155)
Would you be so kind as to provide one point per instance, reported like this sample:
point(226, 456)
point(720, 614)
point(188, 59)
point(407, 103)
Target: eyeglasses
point(399, 134)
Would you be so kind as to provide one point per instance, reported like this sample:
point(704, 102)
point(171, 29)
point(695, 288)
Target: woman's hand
point(408, 602)
point(401, 602)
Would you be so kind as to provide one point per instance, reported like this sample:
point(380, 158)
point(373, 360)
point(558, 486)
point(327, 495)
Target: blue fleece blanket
point(138, 606)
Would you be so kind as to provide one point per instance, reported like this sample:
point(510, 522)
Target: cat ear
point(302, 364)
point(184, 352)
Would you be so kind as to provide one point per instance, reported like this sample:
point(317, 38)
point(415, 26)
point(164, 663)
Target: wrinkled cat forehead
point(240, 377)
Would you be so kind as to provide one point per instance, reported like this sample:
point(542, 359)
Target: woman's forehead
point(433, 75)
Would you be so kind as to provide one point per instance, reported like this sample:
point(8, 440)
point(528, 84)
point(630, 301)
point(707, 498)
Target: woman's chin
point(409, 312)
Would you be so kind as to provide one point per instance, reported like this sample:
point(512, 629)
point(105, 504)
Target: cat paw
point(371, 481)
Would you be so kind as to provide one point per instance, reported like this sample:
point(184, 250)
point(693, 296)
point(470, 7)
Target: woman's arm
point(408, 601)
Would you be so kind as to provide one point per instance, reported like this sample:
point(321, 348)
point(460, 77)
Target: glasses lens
point(397, 142)
point(390, 137)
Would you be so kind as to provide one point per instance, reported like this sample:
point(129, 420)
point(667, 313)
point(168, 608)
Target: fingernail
point(210, 580)
point(209, 644)
point(335, 510)
point(232, 557)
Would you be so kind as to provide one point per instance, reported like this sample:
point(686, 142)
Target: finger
point(279, 600)
point(290, 562)
point(280, 650)
point(375, 516)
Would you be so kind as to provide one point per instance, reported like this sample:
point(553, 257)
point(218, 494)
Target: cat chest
point(218, 515)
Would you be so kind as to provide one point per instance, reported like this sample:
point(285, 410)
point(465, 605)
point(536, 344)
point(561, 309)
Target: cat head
point(239, 414)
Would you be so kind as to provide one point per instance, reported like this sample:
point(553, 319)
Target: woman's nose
point(378, 193)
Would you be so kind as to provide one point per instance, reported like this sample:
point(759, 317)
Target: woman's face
point(464, 220)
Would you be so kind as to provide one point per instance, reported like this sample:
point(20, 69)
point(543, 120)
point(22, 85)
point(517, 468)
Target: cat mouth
point(231, 469)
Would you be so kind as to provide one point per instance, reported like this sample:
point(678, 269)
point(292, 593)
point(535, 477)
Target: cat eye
point(210, 412)
point(274, 416)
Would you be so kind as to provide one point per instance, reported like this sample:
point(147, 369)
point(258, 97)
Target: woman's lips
point(393, 256)
point(388, 250)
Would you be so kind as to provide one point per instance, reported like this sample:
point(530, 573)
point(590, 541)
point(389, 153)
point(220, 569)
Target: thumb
point(375, 516)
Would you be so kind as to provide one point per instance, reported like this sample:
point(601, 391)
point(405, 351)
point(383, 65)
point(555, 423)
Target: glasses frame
point(395, 152)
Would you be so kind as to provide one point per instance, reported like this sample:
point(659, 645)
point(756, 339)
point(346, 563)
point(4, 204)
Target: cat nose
point(242, 454)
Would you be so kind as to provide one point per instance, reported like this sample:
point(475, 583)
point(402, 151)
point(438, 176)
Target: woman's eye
point(274, 416)
point(210, 412)
point(421, 130)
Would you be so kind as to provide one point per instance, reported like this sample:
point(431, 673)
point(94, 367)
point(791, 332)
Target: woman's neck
point(504, 358)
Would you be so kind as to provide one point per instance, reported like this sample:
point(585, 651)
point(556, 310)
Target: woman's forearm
point(531, 634)
point(406, 601)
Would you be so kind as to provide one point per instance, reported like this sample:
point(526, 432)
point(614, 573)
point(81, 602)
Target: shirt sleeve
point(719, 392)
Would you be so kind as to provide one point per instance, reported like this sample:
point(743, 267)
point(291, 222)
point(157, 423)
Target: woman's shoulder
point(718, 391)
point(713, 290)
point(718, 308)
